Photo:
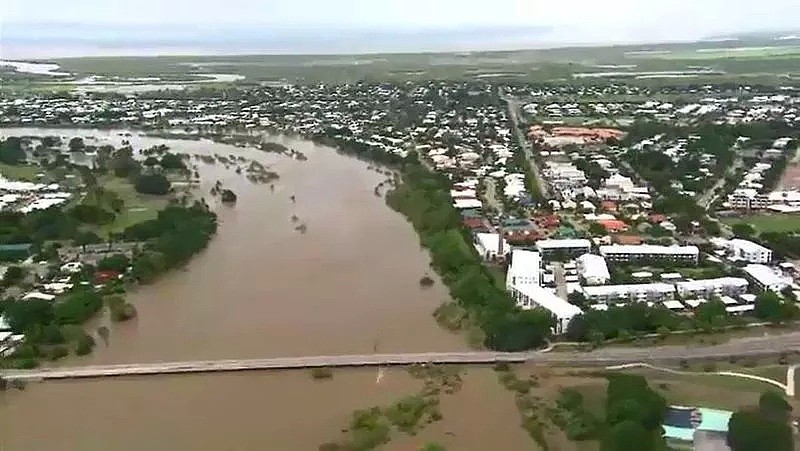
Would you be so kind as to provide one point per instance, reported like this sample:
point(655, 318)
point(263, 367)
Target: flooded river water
point(350, 284)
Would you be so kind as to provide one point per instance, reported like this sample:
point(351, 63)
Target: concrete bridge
point(753, 347)
point(280, 363)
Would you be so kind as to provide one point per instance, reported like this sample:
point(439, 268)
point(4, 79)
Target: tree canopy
point(634, 413)
point(156, 184)
point(11, 151)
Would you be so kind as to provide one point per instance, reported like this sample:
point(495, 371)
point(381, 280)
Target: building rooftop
point(563, 244)
point(607, 290)
point(765, 275)
point(549, 301)
point(593, 266)
point(695, 285)
point(649, 249)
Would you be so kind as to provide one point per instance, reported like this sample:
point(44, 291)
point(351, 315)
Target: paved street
point(740, 348)
point(514, 113)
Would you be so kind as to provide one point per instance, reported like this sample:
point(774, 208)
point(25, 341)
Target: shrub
point(58, 352)
point(156, 184)
point(322, 373)
point(85, 345)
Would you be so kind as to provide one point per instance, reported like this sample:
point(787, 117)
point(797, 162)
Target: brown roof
point(628, 239)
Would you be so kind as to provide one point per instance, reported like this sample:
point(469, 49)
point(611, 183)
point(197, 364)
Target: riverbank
point(349, 285)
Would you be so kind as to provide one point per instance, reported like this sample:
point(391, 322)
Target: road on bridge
point(743, 347)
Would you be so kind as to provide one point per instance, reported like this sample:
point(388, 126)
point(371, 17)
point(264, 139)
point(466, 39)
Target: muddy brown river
point(262, 289)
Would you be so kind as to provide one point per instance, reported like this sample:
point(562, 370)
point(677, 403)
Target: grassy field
point(768, 222)
point(138, 207)
point(736, 52)
point(22, 172)
point(763, 61)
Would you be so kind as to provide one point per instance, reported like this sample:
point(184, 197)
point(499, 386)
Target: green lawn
point(22, 172)
point(768, 222)
point(138, 207)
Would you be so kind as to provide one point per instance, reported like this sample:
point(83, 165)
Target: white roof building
point(573, 245)
point(593, 269)
point(749, 251)
point(631, 293)
point(532, 296)
point(712, 287)
point(619, 252)
point(525, 269)
point(766, 278)
point(674, 305)
point(490, 246)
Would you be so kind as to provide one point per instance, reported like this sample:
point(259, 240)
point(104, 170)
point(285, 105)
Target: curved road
point(743, 347)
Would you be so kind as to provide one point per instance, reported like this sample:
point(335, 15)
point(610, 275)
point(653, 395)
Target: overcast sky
point(568, 21)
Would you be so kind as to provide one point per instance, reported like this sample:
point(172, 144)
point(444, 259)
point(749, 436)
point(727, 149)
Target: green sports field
point(768, 222)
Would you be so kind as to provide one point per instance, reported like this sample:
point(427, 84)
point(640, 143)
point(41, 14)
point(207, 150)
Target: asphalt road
point(741, 347)
point(513, 111)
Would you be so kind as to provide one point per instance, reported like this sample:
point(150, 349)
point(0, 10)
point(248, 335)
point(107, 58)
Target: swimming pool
point(678, 423)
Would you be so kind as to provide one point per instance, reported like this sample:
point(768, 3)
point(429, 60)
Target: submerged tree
point(228, 196)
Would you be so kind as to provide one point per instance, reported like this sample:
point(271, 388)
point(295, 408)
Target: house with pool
point(697, 428)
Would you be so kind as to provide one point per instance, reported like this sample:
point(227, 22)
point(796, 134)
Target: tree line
point(423, 197)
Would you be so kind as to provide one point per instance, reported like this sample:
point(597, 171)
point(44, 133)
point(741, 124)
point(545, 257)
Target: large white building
point(724, 286)
point(766, 278)
point(568, 247)
point(491, 246)
point(751, 199)
point(593, 269)
point(525, 269)
point(533, 296)
point(629, 253)
point(749, 251)
point(645, 292)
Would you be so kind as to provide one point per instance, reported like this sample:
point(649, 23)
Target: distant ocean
point(52, 41)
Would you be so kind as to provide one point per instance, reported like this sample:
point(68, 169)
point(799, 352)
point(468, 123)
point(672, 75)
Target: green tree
point(14, 275)
point(85, 345)
point(23, 315)
point(597, 229)
point(76, 144)
point(627, 436)
point(577, 298)
point(663, 332)
point(228, 196)
point(774, 406)
point(172, 161)
point(596, 337)
point(116, 262)
point(87, 237)
point(770, 307)
point(751, 431)
point(523, 330)
point(11, 151)
point(77, 307)
point(743, 230)
point(711, 313)
point(123, 164)
point(156, 184)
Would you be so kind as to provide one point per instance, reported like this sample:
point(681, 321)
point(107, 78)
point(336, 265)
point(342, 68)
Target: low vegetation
point(322, 373)
point(373, 427)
